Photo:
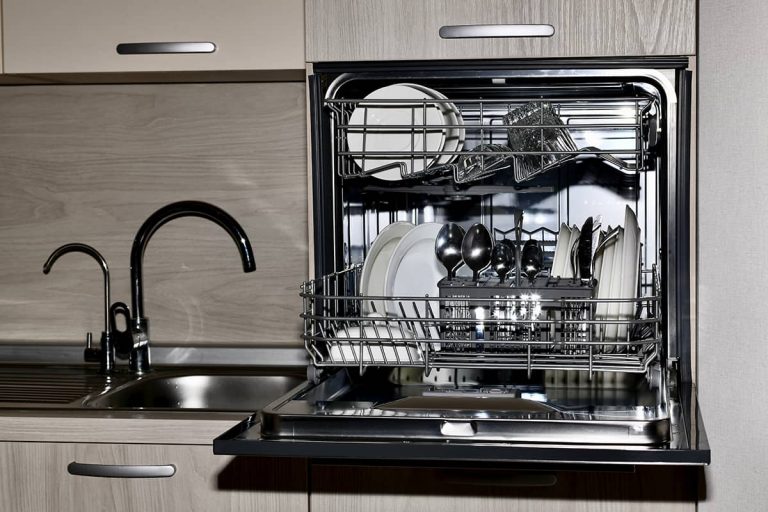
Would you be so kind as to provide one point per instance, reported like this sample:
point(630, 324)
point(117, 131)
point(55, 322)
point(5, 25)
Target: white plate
point(572, 241)
point(454, 137)
point(414, 271)
point(379, 346)
point(375, 266)
point(604, 286)
point(631, 266)
point(389, 140)
point(617, 277)
point(563, 240)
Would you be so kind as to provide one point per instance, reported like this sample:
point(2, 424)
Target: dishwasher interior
point(576, 333)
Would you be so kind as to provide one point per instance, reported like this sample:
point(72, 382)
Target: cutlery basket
point(519, 307)
point(551, 325)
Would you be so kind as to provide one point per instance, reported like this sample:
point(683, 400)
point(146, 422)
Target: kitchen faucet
point(105, 354)
point(133, 343)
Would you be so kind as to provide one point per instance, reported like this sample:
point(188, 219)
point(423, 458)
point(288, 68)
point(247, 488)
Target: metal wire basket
point(514, 329)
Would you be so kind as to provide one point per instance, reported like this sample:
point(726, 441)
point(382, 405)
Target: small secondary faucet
point(136, 346)
point(105, 354)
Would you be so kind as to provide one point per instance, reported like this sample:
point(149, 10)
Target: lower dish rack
point(549, 324)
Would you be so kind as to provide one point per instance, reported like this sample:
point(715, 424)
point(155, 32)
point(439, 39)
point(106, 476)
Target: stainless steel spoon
point(476, 249)
point(531, 260)
point(502, 259)
point(448, 247)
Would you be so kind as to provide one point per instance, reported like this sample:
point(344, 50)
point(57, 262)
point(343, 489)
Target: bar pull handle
point(495, 31)
point(121, 470)
point(162, 48)
point(498, 478)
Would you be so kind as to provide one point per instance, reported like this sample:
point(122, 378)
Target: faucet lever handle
point(123, 341)
point(90, 354)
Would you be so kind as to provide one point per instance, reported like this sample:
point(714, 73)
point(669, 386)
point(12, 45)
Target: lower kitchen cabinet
point(387, 489)
point(35, 479)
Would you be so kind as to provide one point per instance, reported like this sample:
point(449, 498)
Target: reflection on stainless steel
point(476, 249)
point(211, 392)
point(502, 259)
point(562, 412)
point(448, 247)
point(48, 386)
point(531, 259)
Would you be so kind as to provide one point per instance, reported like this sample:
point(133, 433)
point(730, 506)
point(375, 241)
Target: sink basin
point(200, 391)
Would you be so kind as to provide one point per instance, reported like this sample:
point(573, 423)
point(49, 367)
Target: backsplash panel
point(89, 163)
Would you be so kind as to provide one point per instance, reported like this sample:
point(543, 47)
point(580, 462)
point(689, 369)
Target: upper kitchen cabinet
point(359, 30)
point(83, 36)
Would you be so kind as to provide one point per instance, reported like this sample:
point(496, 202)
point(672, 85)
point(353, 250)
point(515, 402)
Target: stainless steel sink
point(209, 391)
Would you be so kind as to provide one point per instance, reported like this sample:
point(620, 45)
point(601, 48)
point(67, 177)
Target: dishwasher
point(500, 267)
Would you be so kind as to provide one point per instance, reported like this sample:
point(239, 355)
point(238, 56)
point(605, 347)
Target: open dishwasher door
point(364, 422)
point(582, 354)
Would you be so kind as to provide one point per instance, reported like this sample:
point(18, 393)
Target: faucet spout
point(139, 324)
point(105, 354)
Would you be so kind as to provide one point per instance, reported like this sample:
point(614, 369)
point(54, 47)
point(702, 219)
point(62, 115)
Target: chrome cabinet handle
point(491, 31)
point(159, 48)
point(121, 470)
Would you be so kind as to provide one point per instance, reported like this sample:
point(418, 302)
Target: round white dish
point(604, 287)
point(617, 276)
point(563, 242)
point(414, 271)
point(454, 137)
point(568, 270)
point(380, 137)
point(374, 272)
point(631, 266)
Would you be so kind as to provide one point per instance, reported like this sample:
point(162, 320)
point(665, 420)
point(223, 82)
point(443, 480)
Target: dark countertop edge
point(233, 442)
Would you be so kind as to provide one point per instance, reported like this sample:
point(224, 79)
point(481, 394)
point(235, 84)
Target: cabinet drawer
point(80, 36)
point(36, 477)
point(381, 489)
point(352, 30)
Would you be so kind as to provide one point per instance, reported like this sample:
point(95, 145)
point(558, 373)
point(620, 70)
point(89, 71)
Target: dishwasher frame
point(688, 442)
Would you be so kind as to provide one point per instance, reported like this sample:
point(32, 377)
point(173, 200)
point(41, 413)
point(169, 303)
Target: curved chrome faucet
point(137, 347)
point(105, 354)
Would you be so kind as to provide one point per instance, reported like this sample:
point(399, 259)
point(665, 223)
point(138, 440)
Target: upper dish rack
point(518, 329)
point(471, 138)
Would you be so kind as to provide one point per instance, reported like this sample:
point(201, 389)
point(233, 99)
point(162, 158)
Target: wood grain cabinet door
point(80, 36)
point(36, 477)
point(359, 30)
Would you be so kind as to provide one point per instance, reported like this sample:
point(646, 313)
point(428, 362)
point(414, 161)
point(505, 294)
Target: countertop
point(71, 423)
point(103, 426)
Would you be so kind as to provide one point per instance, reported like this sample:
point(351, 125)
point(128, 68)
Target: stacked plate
point(616, 271)
point(396, 131)
point(402, 263)
point(567, 240)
